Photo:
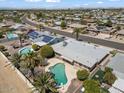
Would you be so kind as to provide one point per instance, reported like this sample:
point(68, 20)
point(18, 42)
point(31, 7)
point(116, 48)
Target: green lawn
point(103, 90)
point(99, 76)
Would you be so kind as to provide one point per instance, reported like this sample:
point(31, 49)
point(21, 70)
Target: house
point(120, 33)
point(117, 64)
point(74, 25)
point(84, 54)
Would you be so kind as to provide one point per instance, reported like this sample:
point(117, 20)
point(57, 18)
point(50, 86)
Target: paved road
point(103, 42)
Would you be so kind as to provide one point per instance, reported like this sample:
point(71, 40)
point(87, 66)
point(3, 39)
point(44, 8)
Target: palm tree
point(91, 86)
point(40, 26)
point(77, 31)
point(31, 61)
point(45, 83)
point(21, 36)
point(16, 59)
point(42, 62)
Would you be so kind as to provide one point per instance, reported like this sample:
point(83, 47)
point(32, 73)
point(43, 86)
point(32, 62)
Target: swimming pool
point(10, 35)
point(59, 71)
point(25, 51)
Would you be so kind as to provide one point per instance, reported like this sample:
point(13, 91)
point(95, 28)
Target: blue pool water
point(25, 51)
point(10, 35)
point(59, 71)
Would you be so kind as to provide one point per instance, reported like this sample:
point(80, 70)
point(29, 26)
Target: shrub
point(114, 52)
point(2, 48)
point(47, 51)
point(107, 69)
point(63, 24)
point(91, 86)
point(109, 78)
point(82, 74)
point(1, 35)
point(6, 54)
point(35, 47)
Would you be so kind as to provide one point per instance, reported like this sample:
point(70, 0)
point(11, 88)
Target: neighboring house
point(117, 64)
point(57, 23)
point(76, 26)
point(120, 33)
point(41, 38)
point(84, 54)
point(101, 29)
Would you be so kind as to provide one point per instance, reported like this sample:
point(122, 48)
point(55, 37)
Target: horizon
point(60, 4)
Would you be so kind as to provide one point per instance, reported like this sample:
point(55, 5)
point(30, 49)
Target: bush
point(114, 52)
point(35, 47)
point(1, 35)
point(47, 51)
point(82, 74)
point(6, 54)
point(109, 78)
point(91, 86)
point(63, 24)
point(107, 69)
point(2, 48)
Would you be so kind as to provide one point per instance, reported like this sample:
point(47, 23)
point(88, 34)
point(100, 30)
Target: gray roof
point(117, 64)
point(84, 53)
point(121, 32)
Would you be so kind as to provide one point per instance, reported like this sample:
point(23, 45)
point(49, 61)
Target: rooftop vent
point(65, 43)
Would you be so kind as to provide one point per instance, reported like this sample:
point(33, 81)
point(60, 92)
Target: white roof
point(16, 26)
point(121, 32)
point(83, 53)
point(40, 43)
point(77, 25)
point(113, 90)
point(119, 83)
point(117, 64)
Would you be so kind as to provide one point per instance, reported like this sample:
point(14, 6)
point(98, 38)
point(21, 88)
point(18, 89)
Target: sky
point(51, 4)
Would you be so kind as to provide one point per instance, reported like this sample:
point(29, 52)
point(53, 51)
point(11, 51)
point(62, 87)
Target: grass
point(99, 76)
point(103, 90)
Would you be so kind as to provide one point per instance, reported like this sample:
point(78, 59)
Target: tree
point(83, 22)
point(31, 61)
point(82, 74)
point(39, 15)
point(1, 35)
point(109, 77)
point(2, 48)
point(118, 27)
point(107, 69)
point(21, 35)
point(113, 52)
point(40, 26)
point(108, 23)
point(16, 59)
point(45, 83)
point(99, 23)
point(63, 24)
point(42, 61)
point(91, 86)
point(77, 31)
point(47, 51)
point(35, 47)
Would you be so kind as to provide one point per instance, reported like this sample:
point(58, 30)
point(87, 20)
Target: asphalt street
point(107, 43)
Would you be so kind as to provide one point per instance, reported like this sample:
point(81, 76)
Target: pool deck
point(69, 69)
point(10, 81)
